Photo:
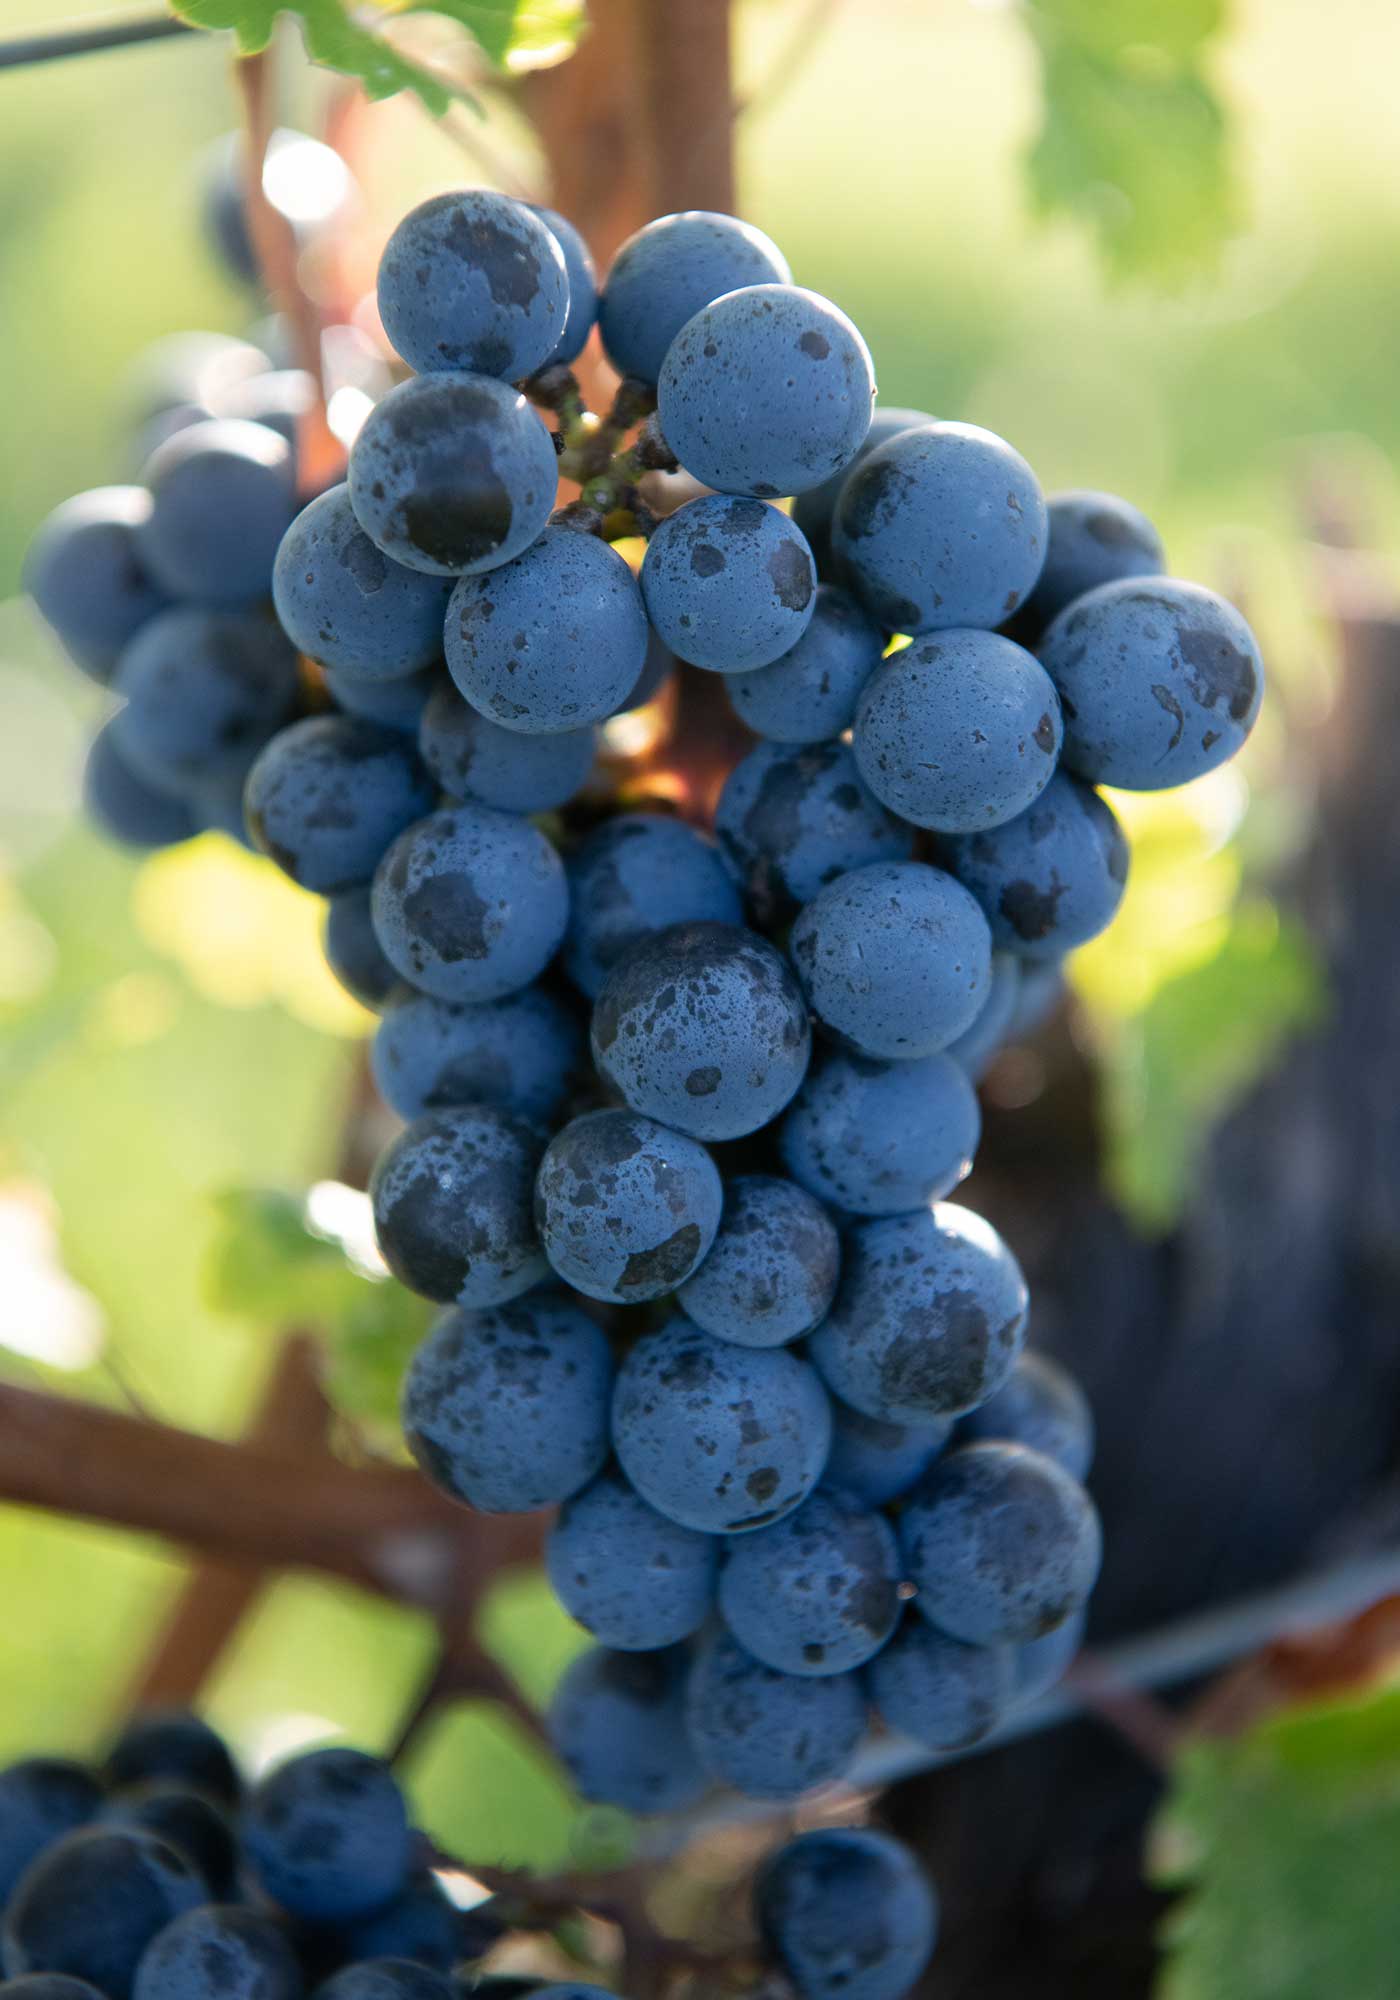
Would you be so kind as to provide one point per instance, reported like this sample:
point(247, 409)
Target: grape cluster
point(684, 1106)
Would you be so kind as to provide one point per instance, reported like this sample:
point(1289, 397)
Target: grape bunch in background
point(684, 1103)
point(160, 1875)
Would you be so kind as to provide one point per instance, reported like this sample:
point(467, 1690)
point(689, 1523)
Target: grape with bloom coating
point(474, 758)
point(730, 584)
point(124, 806)
point(520, 1054)
point(1093, 538)
point(809, 694)
point(583, 284)
point(219, 1953)
point(770, 1735)
point(877, 1460)
point(667, 271)
point(771, 1273)
point(353, 951)
point(343, 602)
point(1050, 879)
point(878, 1138)
point(1039, 1404)
point(203, 692)
point(847, 1913)
point(633, 1578)
point(222, 497)
point(938, 1691)
point(475, 281)
point(452, 1199)
point(83, 569)
point(625, 1207)
point(617, 1721)
point(636, 874)
point(817, 1593)
point(813, 510)
point(326, 1835)
point(327, 795)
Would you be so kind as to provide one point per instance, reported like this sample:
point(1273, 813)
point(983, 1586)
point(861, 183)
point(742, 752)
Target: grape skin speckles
point(730, 584)
point(626, 1208)
point(848, 1913)
point(474, 281)
point(667, 271)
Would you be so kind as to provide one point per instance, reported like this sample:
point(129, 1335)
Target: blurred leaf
point(1134, 138)
point(1286, 1843)
point(524, 1627)
point(1171, 1071)
point(485, 1792)
point(513, 35)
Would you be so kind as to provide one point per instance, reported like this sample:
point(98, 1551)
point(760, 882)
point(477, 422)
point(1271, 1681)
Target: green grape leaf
point(1285, 1844)
point(1134, 140)
point(513, 35)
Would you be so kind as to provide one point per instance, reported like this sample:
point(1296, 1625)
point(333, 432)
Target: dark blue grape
point(703, 1027)
point(876, 1460)
point(791, 820)
point(127, 809)
point(978, 1044)
point(85, 573)
point(810, 693)
point(194, 1823)
point(625, 1208)
point(176, 1747)
point(634, 1579)
point(929, 1318)
point(1041, 1663)
point(345, 603)
point(1001, 1543)
point(452, 1206)
point(583, 283)
point(959, 730)
point(939, 527)
point(353, 951)
point(553, 640)
point(41, 1799)
point(770, 1735)
point(328, 795)
point(91, 1903)
point(1041, 1405)
point(470, 904)
point(772, 1270)
point(387, 1979)
point(474, 280)
point(507, 1410)
point(766, 391)
point(818, 1593)
point(520, 1054)
point(219, 1954)
point(1094, 538)
point(203, 693)
point(396, 704)
point(848, 1914)
point(667, 271)
point(939, 1692)
point(813, 509)
point(895, 958)
point(327, 1836)
point(222, 497)
point(635, 875)
point(1050, 879)
point(1161, 682)
point(473, 758)
point(729, 584)
point(879, 1138)
point(452, 474)
point(617, 1721)
point(718, 1437)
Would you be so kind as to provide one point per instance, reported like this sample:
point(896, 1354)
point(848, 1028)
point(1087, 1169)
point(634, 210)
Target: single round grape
point(772, 1270)
point(553, 640)
point(766, 391)
point(124, 806)
point(222, 497)
point(470, 904)
point(387, 1979)
point(929, 1318)
point(452, 474)
point(41, 1799)
point(520, 1054)
point(877, 1461)
point(667, 271)
point(327, 795)
point(729, 584)
point(703, 1027)
point(473, 758)
point(975, 1047)
point(790, 820)
point(326, 1835)
point(507, 1410)
point(353, 951)
point(770, 1735)
point(848, 1914)
point(175, 1747)
point(939, 1692)
point(617, 1722)
point(396, 704)
point(219, 1953)
point(422, 1924)
point(1161, 682)
point(203, 692)
point(810, 692)
point(1001, 1543)
point(939, 527)
point(813, 509)
point(879, 1138)
point(474, 280)
point(625, 1208)
point(1041, 1663)
point(583, 283)
point(1050, 879)
point(1041, 1405)
point(960, 730)
point(343, 602)
point(630, 1576)
point(817, 1593)
point(91, 1903)
point(895, 958)
point(84, 571)
point(452, 1206)
point(190, 1821)
point(633, 876)
point(720, 1438)
point(1093, 538)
